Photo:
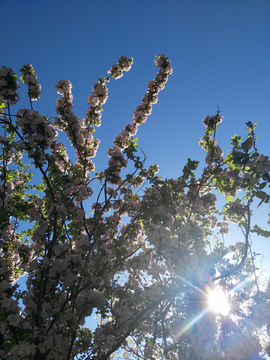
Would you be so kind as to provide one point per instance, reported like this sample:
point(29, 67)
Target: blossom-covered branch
point(141, 258)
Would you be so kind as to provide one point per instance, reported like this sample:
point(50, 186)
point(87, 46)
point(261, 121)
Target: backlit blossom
point(29, 78)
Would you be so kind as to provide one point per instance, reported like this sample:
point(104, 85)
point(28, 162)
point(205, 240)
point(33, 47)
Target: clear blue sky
point(219, 50)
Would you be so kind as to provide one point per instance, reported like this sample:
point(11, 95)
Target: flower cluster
point(100, 91)
point(154, 86)
point(63, 86)
point(124, 64)
point(262, 164)
point(38, 131)
point(214, 155)
point(8, 87)
point(211, 122)
point(60, 153)
point(98, 96)
point(29, 78)
point(79, 134)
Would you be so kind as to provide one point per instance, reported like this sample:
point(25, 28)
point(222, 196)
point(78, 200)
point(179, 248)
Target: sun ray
point(190, 323)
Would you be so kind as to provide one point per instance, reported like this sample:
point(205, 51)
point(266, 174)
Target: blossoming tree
point(149, 254)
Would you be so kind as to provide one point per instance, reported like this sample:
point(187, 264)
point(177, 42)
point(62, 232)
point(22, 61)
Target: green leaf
point(228, 198)
point(247, 144)
point(22, 80)
point(261, 195)
point(262, 185)
point(2, 104)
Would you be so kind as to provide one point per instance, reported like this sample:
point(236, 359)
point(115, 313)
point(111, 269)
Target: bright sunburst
point(218, 302)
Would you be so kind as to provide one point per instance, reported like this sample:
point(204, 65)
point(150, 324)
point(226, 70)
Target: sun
point(218, 301)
